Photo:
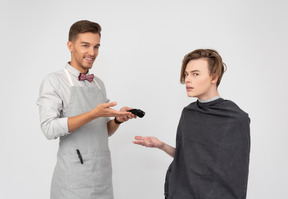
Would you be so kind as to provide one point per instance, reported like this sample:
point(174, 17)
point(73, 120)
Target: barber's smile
point(89, 59)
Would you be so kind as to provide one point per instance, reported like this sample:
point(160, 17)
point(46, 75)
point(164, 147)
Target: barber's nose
point(91, 51)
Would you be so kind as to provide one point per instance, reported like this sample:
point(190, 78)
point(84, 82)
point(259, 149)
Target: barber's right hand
point(105, 110)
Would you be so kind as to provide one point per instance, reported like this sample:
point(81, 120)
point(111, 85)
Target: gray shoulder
point(55, 75)
point(53, 78)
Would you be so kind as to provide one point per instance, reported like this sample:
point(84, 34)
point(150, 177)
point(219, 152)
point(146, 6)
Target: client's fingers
point(139, 138)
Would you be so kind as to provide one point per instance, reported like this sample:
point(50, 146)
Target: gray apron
point(93, 178)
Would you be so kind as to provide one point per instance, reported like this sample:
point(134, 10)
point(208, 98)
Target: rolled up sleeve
point(50, 104)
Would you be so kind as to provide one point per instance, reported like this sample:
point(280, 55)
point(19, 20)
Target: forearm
point(80, 120)
point(168, 149)
point(112, 127)
point(102, 110)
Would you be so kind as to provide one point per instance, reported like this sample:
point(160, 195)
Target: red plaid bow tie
point(86, 77)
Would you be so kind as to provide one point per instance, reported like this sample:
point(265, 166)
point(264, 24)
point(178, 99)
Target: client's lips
point(189, 88)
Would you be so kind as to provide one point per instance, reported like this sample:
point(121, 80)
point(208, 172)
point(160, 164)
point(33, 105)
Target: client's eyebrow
point(192, 71)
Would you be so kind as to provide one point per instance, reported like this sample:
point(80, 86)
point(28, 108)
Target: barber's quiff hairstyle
point(83, 26)
point(215, 63)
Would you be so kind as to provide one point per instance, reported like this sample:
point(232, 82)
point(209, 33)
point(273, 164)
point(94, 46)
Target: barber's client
point(211, 158)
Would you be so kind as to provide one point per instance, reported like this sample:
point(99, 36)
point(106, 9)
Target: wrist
point(94, 113)
point(162, 146)
point(117, 121)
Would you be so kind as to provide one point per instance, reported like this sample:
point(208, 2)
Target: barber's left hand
point(125, 118)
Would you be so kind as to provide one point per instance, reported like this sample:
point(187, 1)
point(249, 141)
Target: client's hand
point(149, 142)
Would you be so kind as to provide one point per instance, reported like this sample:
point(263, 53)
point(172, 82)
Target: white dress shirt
point(54, 97)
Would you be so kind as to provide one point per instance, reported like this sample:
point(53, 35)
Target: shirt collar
point(73, 70)
point(209, 100)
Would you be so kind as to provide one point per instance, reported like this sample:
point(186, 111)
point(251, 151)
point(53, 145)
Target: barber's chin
point(88, 66)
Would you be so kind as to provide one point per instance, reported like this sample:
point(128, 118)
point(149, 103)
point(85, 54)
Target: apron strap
point(97, 84)
point(68, 77)
point(70, 80)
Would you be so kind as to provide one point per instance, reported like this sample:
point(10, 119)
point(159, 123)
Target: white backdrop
point(142, 46)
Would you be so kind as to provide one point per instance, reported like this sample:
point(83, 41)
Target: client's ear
point(214, 78)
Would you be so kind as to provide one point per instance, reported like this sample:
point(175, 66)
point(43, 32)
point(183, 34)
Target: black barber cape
point(212, 153)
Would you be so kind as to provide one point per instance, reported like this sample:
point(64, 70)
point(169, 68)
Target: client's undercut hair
point(216, 65)
point(83, 26)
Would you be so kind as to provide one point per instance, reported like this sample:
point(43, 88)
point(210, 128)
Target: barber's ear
point(70, 46)
point(214, 78)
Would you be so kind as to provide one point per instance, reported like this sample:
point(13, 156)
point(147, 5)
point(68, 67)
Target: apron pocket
point(94, 173)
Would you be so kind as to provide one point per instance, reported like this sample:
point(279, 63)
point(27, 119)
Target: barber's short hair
point(216, 65)
point(83, 26)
